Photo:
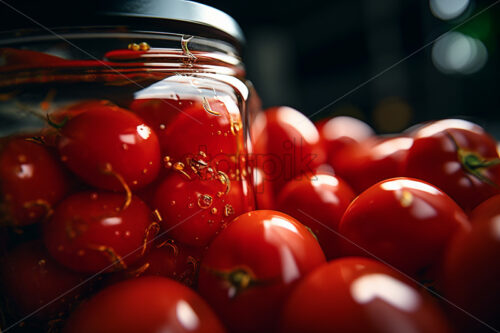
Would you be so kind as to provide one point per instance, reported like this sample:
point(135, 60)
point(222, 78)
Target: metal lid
point(178, 16)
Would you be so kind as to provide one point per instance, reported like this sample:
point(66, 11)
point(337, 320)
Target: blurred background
point(312, 55)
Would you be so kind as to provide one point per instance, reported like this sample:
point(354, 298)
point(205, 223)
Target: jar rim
point(177, 16)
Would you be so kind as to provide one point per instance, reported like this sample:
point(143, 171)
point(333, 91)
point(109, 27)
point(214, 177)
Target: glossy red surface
point(435, 158)
point(251, 265)
point(471, 273)
point(104, 142)
point(33, 281)
point(340, 132)
point(365, 163)
point(286, 144)
point(193, 210)
point(405, 222)
point(148, 305)
point(90, 231)
point(318, 201)
point(359, 295)
point(32, 182)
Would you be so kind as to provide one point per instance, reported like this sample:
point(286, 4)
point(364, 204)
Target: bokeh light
point(457, 53)
point(448, 9)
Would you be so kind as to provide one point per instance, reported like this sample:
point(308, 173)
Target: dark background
point(312, 55)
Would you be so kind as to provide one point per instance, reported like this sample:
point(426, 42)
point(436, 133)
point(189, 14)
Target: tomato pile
point(141, 218)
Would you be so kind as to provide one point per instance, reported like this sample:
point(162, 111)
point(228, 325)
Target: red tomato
point(471, 271)
point(365, 163)
point(263, 189)
point(32, 181)
point(91, 230)
point(212, 127)
point(340, 132)
point(251, 265)
point(457, 156)
point(358, 295)
point(107, 146)
point(318, 201)
point(193, 210)
point(148, 305)
point(286, 144)
point(403, 221)
point(34, 282)
point(167, 259)
point(158, 113)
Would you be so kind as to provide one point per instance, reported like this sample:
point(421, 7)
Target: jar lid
point(177, 16)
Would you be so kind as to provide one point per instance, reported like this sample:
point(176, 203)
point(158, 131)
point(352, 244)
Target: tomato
point(471, 271)
point(193, 209)
point(35, 283)
point(365, 163)
point(263, 189)
point(318, 201)
point(109, 146)
point(405, 222)
point(159, 113)
point(167, 259)
point(148, 305)
point(285, 144)
point(340, 132)
point(212, 128)
point(251, 265)
point(93, 231)
point(359, 295)
point(457, 156)
point(32, 182)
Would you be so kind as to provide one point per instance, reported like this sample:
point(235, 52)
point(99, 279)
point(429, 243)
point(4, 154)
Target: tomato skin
point(285, 144)
point(30, 279)
point(359, 295)
point(403, 221)
point(366, 163)
point(167, 259)
point(193, 210)
point(148, 305)
point(219, 134)
point(340, 132)
point(318, 197)
point(471, 271)
point(274, 251)
point(32, 181)
point(106, 140)
point(86, 221)
point(434, 157)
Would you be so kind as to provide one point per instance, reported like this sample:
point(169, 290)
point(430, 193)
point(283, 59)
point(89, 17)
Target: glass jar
point(117, 136)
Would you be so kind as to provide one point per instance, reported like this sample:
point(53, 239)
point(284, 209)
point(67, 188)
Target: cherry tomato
point(471, 271)
point(318, 201)
point(359, 295)
point(286, 144)
point(340, 132)
point(167, 259)
point(213, 128)
point(147, 304)
point(32, 181)
point(34, 282)
point(457, 156)
point(193, 209)
point(405, 222)
point(251, 265)
point(365, 163)
point(90, 231)
point(109, 146)
point(159, 113)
